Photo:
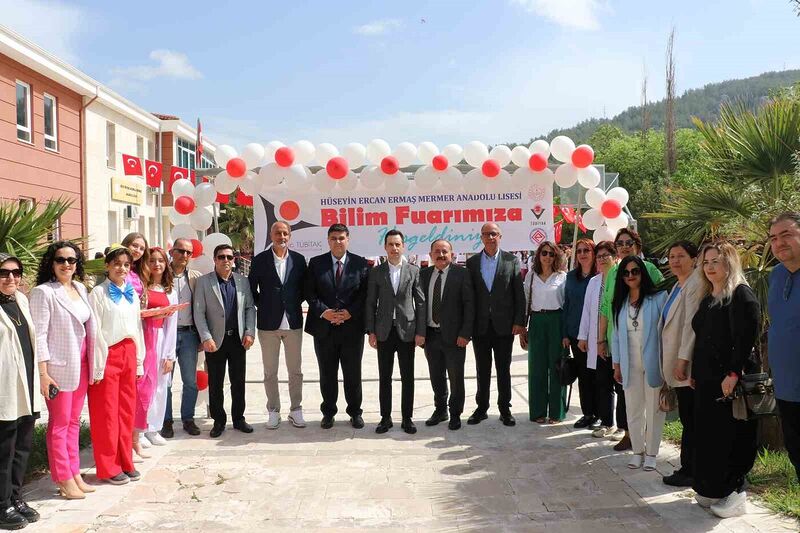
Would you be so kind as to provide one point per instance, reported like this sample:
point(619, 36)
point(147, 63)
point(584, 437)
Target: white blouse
point(115, 322)
point(548, 295)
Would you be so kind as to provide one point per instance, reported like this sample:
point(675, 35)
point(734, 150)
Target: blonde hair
point(735, 276)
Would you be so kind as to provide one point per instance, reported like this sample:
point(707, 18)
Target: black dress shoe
point(583, 422)
point(243, 426)
point(216, 431)
point(508, 419)
point(357, 422)
point(326, 422)
point(10, 518)
point(166, 430)
point(596, 423)
point(455, 423)
point(678, 479)
point(191, 428)
point(436, 418)
point(31, 515)
point(477, 417)
point(384, 426)
point(408, 426)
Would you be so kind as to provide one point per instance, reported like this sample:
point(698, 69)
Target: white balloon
point(522, 178)
point(182, 231)
point(377, 149)
point(323, 182)
point(540, 146)
point(502, 154)
point(454, 153)
point(406, 153)
point(303, 152)
point(589, 177)
point(200, 219)
point(426, 178)
point(619, 194)
point(475, 153)
point(223, 154)
point(603, 234)
point(271, 174)
point(349, 182)
point(296, 178)
point(213, 240)
point(545, 178)
point(474, 181)
point(595, 197)
point(204, 194)
point(562, 147)
point(397, 183)
point(250, 185)
point(203, 264)
point(177, 219)
point(566, 175)
point(426, 152)
point(616, 224)
point(224, 184)
point(355, 153)
point(182, 187)
point(253, 155)
point(520, 156)
point(593, 218)
point(499, 182)
point(452, 179)
point(325, 152)
point(270, 148)
point(372, 177)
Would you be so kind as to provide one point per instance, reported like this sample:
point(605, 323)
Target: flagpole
point(159, 217)
point(575, 231)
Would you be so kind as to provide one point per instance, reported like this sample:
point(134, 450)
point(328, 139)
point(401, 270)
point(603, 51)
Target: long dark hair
point(578, 268)
point(139, 266)
point(558, 260)
point(621, 291)
point(46, 273)
point(167, 277)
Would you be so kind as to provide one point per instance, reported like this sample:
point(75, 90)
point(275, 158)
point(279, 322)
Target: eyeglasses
point(6, 273)
point(583, 251)
point(627, 242)
point(632, 273)
point(223, 257)
point(182, 251)
point(787, 288)
point(547, 253)
point(68, 260)
point(603, 257)
point(490, 234)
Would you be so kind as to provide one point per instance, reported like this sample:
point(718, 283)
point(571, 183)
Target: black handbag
point(567, 369)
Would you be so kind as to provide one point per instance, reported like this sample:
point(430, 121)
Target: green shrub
point(37, 462)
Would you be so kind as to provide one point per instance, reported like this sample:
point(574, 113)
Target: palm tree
point(237, 222)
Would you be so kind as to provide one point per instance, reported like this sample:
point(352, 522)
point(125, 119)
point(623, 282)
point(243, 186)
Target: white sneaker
point(735, 504)
point(603, 432)
point(274, 420)
point(143, 442)
point(704, 501)
point(296, 418)
point(617, 435)
point(636, 461)
point(155, 438)
point(649, 463)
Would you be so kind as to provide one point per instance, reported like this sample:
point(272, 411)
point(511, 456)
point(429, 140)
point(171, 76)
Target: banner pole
point(159, 216)
point(575, 230)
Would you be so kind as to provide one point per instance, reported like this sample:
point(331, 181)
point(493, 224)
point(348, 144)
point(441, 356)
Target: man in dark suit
point(395, 322)
point(336, 288)
point(276, 279)
point(500, 315)
point(450, 316)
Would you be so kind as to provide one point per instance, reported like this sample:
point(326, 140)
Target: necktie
point(338, 272)
point(115, 293)
point(437, 298)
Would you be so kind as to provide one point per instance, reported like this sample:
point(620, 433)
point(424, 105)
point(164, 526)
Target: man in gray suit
point(395, 322)
point(225, 318)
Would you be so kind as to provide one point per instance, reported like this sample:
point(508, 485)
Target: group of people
point(631, 339)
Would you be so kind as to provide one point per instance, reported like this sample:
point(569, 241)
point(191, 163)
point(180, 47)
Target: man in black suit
point(276, 279)
point(500, 315)
point(336, 288)
point(450, 316)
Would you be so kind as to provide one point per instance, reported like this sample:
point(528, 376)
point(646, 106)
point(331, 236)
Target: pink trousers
point(146, 386)
point(64, 425)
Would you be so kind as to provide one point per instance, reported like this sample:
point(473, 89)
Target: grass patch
point(774, 480)
point(672, 432)
point(37, 462)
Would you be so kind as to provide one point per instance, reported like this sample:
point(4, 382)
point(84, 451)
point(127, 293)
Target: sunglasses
point(583, 251)
point(490, 234)
point(627, 243)
point(547, 253)
point(632, 273)
point(182, 251)
point(603, 257)
point(68, 260)
point(6, 273)
point(223, 257)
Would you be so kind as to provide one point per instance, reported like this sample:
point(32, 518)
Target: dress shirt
point(784, 351)
point(184, 296)
point(228, 290)
point(548, 295)
point(434, 274)
point(343, 260)
point(394, 276)
point(116, 322)
point(280, 268)
point(489, 268)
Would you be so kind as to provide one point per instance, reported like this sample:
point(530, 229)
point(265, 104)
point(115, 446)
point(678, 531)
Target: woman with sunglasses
point(544, 294)
point(726, 329)
point(19, 401)
point(65, 332)
point(636, 354)
point(574, 293)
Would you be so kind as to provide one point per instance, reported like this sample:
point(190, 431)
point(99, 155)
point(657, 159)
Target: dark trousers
point(445, 361)
point(586, 386)
point(725, 448)
point(790, 421)
point(405, 359)
point(16, 441)
point(605, 389)
point(686, 414)
point(332, 350)
point(232, 354)
point(501, 345)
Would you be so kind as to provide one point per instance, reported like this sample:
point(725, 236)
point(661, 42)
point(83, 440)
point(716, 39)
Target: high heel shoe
point(70, 490)
point(86, 488)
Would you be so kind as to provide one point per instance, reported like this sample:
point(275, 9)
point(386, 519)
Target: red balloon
point(390, 165)
point(440, 162)
point(611, 209)
point(197, 248)
point(537, 162)
point(289, 210)
point(184, 205)
point(582, 156)
point(337, 167)
point(202, 380)
point(490, 168)
point(236, 167)
point(284, 156)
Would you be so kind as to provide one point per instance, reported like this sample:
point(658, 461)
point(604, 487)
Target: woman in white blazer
point(19, 398)
point(64, 339)
point(677, 347)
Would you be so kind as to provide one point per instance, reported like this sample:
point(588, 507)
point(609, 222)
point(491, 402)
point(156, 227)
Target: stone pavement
point(481, 478)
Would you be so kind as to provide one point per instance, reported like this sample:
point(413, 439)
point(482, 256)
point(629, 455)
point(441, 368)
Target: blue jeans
point(186, 353)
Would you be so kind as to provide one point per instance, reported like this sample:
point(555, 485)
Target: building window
point(50, 122)
point(24, 112)
point(113, 230)
point(151, 152)
point(55, 232)
point(26, 203)
point(111, 145)
point(139, 147)
point(185, 154)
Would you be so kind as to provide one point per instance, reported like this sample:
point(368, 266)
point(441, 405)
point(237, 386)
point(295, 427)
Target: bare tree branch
point(670, 153)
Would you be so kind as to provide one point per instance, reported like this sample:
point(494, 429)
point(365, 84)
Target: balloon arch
point(275, 167)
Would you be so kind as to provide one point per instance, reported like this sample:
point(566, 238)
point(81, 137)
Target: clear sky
point(412, 70)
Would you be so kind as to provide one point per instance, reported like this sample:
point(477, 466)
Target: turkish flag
point(153, 172)
point(222, 198)
point(569, 214)
point(176, 173)
point(243, 199)
point(580, 224)
point(132, 166)
point(557, 227)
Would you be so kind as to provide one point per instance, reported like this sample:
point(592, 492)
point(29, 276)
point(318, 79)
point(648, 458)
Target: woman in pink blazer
point(65, 330)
